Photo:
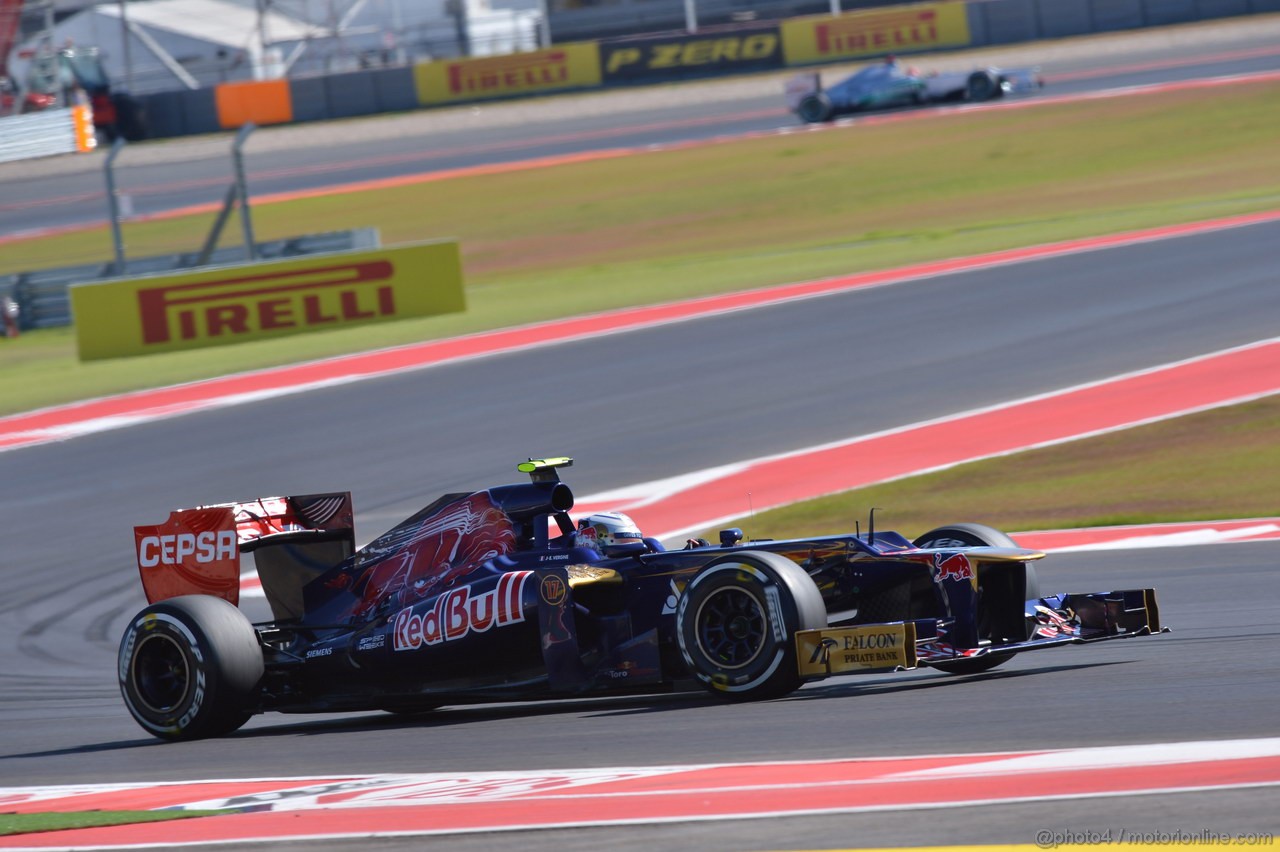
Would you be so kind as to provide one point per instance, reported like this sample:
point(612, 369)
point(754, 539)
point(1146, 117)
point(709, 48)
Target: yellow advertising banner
point(251, 301)
point(872, 647)
point(567, 66)
point(897, 29)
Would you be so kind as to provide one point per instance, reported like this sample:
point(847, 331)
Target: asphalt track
point(678, 397)
point(654, 403)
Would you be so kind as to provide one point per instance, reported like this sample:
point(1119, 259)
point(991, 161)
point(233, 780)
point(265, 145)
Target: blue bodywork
point(512, 608)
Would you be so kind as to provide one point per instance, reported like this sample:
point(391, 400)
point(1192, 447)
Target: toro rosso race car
point(498, 595)
point(891, 84)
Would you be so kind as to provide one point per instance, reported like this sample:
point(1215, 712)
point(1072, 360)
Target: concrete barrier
point(46, 133)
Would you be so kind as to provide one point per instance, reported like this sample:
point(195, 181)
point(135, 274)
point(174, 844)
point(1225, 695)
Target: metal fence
point(42, 295)
point(1010, 21)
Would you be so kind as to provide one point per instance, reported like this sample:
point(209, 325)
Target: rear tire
point(815, 108)
point(737, 620)
point(188, 668)
point(976, 535)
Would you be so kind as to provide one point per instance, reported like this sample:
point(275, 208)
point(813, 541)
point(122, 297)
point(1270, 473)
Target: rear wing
point(800, 85)
point(197, 551)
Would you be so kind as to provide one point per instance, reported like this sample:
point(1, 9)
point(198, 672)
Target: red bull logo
point(458, 613)
point(952, 566)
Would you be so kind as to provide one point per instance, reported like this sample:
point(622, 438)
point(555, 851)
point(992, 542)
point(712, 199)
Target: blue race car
point(498, 595)
point(891, 84)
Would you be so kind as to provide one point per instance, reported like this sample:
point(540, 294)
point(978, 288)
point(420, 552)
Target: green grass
point(61, 821)
point(552, 242)
point(1218, 464)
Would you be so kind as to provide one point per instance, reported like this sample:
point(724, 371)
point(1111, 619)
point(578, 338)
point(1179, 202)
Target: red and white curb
point(699, 499)
point(679, 505)
point(450, 803)
point(1152, 535)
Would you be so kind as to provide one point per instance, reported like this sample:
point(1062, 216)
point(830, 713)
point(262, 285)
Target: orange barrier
point(259, 101)
point(82, 125)
point(853, 35)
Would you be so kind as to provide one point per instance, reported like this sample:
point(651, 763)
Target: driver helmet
point(610, 534)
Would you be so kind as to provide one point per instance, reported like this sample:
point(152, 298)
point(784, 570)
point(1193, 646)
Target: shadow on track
point(595, 708)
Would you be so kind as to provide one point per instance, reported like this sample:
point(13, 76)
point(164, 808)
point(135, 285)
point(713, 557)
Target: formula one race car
point(891, 84)
point(497, 595)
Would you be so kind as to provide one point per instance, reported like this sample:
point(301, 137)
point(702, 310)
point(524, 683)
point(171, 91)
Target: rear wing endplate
point(800, 85)
point(197, 551)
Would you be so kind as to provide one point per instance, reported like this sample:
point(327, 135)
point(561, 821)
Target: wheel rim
point(981, 88)
point(161, 675)
point(732, 627)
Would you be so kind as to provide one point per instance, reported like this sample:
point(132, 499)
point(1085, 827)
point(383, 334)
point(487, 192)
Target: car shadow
point(939, 680)
point(451, 715)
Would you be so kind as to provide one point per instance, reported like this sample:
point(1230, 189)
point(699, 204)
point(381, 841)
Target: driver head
point(610, 534)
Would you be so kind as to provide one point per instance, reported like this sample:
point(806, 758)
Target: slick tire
point(736, 624)
point(982, 86)
point(815, 108)
point(976, 535)
point(189, 667)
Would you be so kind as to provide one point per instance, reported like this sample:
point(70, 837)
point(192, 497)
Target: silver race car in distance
point(892, 84)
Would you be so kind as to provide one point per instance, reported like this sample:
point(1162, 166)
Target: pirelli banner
point(654, 59)
point(855, 35)
point(569, 66)
point(252, 301)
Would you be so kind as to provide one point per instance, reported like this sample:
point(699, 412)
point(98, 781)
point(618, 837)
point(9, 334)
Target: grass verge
point(62, 821)
point(591, 236)
point(1217, 464)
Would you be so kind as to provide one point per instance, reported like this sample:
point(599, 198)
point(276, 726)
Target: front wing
point(1058, 620)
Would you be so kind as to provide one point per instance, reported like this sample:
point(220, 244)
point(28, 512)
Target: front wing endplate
point(872, 647)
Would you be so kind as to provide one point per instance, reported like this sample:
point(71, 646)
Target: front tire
point(977, 535)
point(188, 668)
point(737, 620)
point(983, 86)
